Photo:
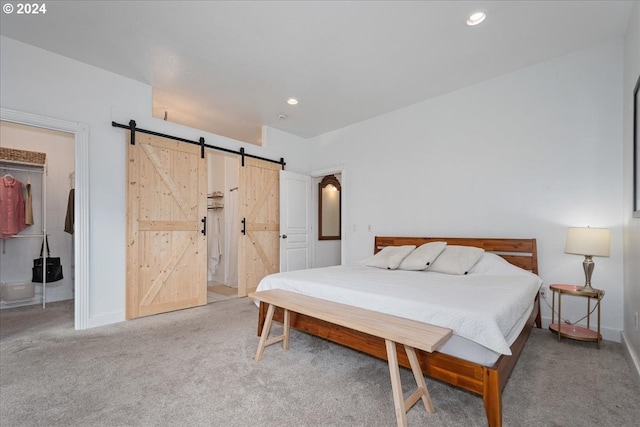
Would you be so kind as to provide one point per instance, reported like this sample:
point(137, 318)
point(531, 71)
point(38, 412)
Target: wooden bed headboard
point(519, 252)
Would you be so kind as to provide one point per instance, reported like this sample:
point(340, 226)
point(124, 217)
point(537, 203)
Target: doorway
point(81, 215)
point(39, 163)
point(330, 252)
point(222, 226)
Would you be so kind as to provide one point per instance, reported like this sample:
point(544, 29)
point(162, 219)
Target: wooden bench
point(394, 330)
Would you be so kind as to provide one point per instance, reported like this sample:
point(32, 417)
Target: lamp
point(589, 242)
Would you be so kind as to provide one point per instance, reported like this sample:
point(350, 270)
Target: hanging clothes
point(69, 219)
point(215, 252)
point(11, 207)
point(28, 205)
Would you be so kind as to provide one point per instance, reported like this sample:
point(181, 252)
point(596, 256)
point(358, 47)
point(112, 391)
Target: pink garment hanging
point(11, 207)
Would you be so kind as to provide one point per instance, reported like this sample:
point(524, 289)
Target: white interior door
point(295, 221)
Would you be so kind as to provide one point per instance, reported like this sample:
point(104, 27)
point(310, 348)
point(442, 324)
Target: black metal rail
point(132, 127)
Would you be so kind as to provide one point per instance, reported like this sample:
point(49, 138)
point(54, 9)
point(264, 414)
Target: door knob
point(284, 236)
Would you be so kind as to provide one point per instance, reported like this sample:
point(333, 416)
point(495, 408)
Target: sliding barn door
point(166, 248)
point(259, 211)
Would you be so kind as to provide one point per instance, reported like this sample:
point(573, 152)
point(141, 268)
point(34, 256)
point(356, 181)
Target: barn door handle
point(204, 225)
point(244, 226)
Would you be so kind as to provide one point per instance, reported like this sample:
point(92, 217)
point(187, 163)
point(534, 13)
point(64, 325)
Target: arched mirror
point(329, 212)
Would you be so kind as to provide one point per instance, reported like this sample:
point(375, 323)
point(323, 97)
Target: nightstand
point(575, 332)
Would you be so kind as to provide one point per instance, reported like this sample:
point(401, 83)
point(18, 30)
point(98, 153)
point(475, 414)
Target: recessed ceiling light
point(476, 18)
point(292, 101)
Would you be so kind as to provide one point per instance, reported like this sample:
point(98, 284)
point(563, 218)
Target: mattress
point(485, 311)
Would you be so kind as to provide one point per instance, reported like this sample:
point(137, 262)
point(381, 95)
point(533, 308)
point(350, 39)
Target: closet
point(18, 197)
point(42, 161)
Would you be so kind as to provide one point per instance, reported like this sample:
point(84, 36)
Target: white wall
point(40, 82)
point(631, 225)
point(277, 142)
point(527, 154)
point(16, 260)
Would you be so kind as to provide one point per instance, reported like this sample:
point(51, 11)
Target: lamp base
point(588, 266)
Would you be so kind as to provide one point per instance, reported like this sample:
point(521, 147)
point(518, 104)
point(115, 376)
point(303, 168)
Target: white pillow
point(495, 265)
point(390, 257)
point(422, 257)
point(456, 259)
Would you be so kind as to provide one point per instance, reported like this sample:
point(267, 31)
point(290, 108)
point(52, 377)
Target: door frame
point(343, 207)
point(81, 216)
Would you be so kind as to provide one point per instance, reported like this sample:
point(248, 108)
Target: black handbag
point(53, 267)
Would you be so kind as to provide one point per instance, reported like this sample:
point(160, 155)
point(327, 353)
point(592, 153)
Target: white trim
point(105, 319)
point(81, 227)
point(344, 190)
point(631, 356)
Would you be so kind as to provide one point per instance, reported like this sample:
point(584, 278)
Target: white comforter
point(481, 308)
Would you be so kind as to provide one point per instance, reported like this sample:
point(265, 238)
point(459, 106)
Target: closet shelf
point(22, 157)
point(215, 206)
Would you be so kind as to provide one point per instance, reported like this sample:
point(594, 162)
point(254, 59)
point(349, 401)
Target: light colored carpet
point(195, 368)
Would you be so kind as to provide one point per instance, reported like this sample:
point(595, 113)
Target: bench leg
point(264, 338)
point(396, 385)
point(287, 321)
point(265, 332)
point(422, 386)
point(401, 405)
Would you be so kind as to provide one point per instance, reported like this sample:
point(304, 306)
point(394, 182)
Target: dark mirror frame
point(329, 180)
point(636, 152)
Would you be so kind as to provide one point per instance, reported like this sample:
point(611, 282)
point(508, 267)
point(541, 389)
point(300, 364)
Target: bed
point(482, 369)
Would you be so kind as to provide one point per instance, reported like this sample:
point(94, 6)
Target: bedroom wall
point(527, 154)
point(40, 82)
point(631, 334)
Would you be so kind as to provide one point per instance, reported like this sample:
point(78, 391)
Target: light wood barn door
point(166, 249)
point(259, 211)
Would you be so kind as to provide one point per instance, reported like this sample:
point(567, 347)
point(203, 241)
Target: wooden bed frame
point(487, 382)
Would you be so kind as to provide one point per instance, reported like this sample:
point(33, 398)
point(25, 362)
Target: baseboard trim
point(105, 319)
point(631, 356)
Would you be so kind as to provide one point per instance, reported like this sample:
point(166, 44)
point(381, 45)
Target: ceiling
point(228, 67)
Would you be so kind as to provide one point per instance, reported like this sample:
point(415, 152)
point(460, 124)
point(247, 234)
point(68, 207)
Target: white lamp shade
point(588, 241)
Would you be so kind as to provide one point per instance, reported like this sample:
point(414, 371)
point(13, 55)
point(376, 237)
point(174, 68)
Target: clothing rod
point(41, 170)
point(175, 138)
